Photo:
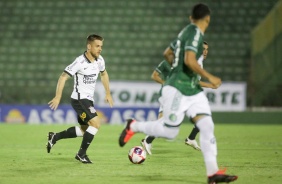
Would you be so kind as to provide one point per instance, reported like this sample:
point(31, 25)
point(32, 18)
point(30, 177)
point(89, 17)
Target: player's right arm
point(156, 77)
point(68, 72)
point(169, 52)
point(54, 103)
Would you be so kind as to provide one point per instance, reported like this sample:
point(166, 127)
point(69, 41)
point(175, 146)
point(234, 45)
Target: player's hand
point(212, 86)
point(215, 81)
point(109, 99)
point(54, 103)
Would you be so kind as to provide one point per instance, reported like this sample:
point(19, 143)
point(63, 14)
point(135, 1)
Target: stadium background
point(39, 38)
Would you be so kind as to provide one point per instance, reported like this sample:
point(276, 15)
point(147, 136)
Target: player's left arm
point(156, 77)
point(169, 54)
point(106, 83)
point(191, 62)
point(207, 85)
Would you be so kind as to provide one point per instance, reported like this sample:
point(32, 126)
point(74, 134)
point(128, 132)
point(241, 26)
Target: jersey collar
point(198, 28)
point(84, 54)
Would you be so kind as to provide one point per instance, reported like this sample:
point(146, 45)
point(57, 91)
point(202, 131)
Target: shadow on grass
point(157, 178)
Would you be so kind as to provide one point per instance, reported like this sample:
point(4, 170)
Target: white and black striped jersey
point(200, 62)
point(85, 75)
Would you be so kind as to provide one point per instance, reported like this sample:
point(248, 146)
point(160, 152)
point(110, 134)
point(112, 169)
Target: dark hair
point(199, 11)
point(206, 43)
point(93, 37)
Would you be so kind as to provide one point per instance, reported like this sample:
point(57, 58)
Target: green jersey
point(163, 69)
point(181, 76)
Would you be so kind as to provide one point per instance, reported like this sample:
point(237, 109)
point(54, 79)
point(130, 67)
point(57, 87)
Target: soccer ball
point(137, 155)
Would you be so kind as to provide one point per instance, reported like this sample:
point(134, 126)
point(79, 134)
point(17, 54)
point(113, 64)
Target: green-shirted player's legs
point(208, 142)
point(196, 107)
point(147, 141)
point(191, 139)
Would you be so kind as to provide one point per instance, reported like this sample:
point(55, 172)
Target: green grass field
point(253, 152)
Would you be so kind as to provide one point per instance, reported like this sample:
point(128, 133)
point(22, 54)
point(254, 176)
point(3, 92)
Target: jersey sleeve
point(167, 65)
point(101, 64)
point(160, 67)
point(73, 68)
point(163, 68)
point(193, 40)
point(172, 45)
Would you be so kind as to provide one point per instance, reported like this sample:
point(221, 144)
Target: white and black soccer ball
point(137, 155)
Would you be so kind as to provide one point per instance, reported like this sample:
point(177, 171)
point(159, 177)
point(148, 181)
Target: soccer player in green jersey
point(159, 75)
point(182, 95)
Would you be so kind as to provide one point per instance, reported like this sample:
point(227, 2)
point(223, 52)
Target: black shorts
point(84, 109)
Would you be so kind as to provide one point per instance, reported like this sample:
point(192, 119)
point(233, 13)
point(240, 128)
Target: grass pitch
point(253, 152)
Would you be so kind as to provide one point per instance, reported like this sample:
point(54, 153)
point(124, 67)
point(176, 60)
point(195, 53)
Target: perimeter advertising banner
point(42, 114)
point(230, 96)
point(131, 100)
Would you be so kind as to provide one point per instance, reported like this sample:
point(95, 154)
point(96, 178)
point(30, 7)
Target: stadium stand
point(265, 87)
point(39, 38)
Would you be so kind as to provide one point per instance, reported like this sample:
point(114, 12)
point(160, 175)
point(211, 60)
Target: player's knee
point(171, 133)
point(160, 115)
point(95, 122)
point(83, 128)
point(207, 121)
point(198, 117)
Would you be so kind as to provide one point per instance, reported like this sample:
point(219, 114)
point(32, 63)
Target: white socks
point(92, 130)
point(155, 128)
point(208, 144)
point(78, 131)
point(143, 127)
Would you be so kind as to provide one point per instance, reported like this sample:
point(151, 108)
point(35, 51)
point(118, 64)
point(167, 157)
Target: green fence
point(39, 38)
point(266, 69)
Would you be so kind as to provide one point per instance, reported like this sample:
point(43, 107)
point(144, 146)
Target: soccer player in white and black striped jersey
point(85, 70)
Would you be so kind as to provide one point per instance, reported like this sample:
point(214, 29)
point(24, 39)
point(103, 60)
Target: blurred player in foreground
point(159, 75)
point(85, 70)
point(182, 95)
point(190, 139)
